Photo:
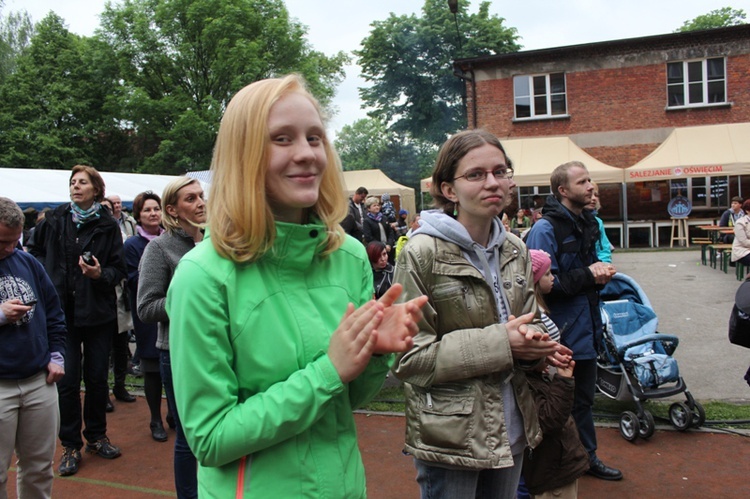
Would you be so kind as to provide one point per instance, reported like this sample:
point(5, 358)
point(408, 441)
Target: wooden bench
point(722, 251)
point(703, 242)
point(741, 270)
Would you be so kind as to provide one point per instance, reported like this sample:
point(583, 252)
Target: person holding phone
point(68, 237)
point(32, 335)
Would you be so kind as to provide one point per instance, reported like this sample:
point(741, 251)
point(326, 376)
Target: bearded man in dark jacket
point(567, 232)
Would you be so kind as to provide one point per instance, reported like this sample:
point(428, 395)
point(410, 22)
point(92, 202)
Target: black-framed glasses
point(481, 175)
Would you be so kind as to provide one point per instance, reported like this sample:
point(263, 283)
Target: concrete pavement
point(693, 302)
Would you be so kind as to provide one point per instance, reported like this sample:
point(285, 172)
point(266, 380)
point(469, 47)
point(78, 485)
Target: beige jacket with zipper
point(462, 355)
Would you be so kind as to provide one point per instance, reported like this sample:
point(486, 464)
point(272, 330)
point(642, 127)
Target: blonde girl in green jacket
point(275, 338)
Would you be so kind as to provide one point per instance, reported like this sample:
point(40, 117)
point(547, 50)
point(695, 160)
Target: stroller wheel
point(646, 425)
point(680, 415)
point(629, 427)
point(699, 415)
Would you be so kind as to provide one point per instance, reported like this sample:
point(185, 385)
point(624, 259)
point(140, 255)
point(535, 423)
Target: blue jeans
point(585, 376)
point(185, 464)
point(443, 483)
point(97, 342)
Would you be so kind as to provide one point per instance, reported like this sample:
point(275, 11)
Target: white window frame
point(548, 96)
point(712, 200)
point(704, 82)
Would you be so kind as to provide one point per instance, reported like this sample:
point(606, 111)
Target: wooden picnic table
point(715, 230)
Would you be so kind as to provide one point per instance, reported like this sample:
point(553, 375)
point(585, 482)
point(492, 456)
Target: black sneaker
point(103, 448)
point(69, 462)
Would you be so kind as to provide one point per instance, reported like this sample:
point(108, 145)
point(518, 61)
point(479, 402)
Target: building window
point(696, 83)
point(530, 198)
point(540, 96)
point(703, 192)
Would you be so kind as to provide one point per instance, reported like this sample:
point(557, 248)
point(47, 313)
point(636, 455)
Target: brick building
point(619, 100)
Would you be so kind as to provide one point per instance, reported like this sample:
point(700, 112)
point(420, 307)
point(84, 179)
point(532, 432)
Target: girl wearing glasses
point(470, 413)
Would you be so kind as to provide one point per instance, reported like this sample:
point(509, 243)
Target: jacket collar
point(297, 245)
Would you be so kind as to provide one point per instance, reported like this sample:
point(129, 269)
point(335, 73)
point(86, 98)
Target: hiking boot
point(69, 462)
point(103, 448)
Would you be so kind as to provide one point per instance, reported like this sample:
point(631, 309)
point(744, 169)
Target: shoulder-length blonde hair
point(241, 223)
point(169, 197)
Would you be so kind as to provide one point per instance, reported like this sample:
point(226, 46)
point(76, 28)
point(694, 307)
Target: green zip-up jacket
point(262, 406)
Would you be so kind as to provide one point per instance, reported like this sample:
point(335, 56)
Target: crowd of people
point(305, 302)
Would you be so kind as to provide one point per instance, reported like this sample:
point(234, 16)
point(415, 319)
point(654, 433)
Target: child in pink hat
point(560, 459)
point(543, 280)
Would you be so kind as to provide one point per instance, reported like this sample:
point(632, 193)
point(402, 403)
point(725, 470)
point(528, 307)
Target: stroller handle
point(663, 338)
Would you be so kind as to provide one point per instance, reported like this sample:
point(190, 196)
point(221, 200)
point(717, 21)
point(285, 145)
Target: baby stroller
point(635, 361)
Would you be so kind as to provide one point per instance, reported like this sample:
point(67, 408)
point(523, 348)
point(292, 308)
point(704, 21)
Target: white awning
point(699, 151)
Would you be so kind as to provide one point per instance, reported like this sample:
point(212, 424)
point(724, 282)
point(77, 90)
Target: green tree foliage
point(362, 144)
point(718, 18)
point(367, 144)
point(53, 106)
point(408, 61)
point(16, 30)
point(182, 60)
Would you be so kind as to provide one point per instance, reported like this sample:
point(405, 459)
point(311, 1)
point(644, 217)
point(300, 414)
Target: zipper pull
point(429, 400)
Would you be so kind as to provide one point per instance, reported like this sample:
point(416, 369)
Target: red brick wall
point(606, 100)
point(630, 98)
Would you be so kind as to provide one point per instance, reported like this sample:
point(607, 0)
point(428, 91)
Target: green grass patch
point(718, 414)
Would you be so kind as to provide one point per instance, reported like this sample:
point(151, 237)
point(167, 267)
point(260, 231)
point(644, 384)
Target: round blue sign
point(679, 207)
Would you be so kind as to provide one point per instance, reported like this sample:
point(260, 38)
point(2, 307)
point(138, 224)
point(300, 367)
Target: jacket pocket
point(447, 420)
point(453, 304)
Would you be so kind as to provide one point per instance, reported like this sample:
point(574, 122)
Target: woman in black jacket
point(382, 271)
point(80, 246)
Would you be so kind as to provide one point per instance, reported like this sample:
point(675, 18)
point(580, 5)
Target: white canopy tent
point(49, 188)
point(378, 183)
point(698, 151)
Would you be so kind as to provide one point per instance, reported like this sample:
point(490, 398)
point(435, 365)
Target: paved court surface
point(687, 465)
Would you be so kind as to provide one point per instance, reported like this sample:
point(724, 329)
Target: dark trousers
point(185, 464)
point(93, 366)
point(120, 357)
point(585, 376)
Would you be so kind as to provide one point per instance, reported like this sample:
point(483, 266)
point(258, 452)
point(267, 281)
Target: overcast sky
point(342, 24)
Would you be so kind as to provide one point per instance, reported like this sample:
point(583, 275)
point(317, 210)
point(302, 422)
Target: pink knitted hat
point(540, 263)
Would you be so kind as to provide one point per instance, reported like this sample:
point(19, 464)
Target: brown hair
point(94, 177)
point(140, 200)
point(451, 153)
